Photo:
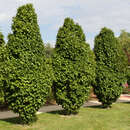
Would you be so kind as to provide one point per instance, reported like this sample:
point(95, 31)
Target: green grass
point(89, 118)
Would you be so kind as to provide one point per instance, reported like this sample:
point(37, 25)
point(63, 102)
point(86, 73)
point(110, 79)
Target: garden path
point(48, 108)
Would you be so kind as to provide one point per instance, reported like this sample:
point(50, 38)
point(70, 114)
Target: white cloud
point(91, 42)
point(92, 15)
point(111, 13)
point(3, 17)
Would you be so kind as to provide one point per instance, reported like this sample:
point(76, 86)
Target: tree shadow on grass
point(63, 113)
point(127, 102)
point(95, 107)
point(59, 112)
point(14, 120)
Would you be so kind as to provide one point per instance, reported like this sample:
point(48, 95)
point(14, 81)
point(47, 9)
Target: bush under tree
point(74, 67)
point(111, 67)
point(27, 78)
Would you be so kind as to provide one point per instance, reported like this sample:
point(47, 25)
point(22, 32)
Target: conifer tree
point(27, 78)
point(111, 67)
point(74, 67)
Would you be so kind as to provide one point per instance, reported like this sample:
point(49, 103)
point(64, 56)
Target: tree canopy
point(74, 67)
point(111, 67)
point(124, 39)
point(27, 78)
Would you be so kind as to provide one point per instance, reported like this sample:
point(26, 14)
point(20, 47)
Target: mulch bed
point(4, 108)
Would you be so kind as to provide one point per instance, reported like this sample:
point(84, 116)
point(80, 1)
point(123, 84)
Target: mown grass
point(89, 118)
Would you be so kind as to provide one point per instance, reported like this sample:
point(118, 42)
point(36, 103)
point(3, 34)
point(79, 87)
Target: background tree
point(27, 77)
point(124, 39)
point(74, 67)
point(2, 51)
point(111, 67)
point(49, 50)
point(49, 53)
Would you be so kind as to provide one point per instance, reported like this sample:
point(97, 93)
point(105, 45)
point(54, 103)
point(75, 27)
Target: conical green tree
point(2, 48)
point(27, 79)
point(74, 67)
point(111, 67)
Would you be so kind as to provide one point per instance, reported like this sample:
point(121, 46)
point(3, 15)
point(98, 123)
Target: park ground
point(91, 117)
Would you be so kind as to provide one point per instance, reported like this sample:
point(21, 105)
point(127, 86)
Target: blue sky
point(92, 15)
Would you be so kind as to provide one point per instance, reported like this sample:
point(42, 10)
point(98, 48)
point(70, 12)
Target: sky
point(92, 15)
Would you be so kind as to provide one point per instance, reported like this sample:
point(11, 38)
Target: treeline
point(30, 71)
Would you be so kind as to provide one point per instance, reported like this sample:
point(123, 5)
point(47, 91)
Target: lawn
point(89, 118)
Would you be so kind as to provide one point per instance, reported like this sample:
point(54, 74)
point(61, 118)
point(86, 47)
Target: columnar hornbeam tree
point(27, 83)
point(74, 67)
point(111, 67)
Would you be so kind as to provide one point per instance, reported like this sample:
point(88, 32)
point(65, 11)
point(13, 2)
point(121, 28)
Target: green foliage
point(124, 39)
point(50, 76)
point(48, 53)
point(49, 50)
point(2, 51)
point(27, 78)
point(74, 67)
point(128, 75)
point(111, 67)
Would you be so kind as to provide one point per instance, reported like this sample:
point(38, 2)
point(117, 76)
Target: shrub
point(74, 67)
point(2, 49)
point(27, 79)
point(111, 67)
